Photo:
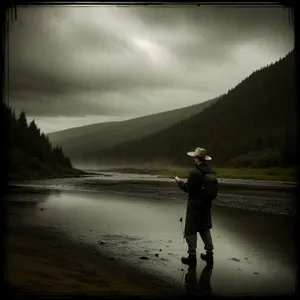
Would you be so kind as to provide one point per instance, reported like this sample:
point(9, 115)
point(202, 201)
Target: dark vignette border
point(9, 14)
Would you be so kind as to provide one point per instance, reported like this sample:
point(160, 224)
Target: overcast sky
point(72, 66)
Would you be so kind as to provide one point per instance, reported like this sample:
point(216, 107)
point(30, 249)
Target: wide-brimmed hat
point(199, 152)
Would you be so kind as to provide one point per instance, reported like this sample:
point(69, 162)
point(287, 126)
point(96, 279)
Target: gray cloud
point(210, 33)
point(110, 61)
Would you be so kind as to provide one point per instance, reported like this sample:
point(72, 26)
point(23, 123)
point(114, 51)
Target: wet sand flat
point(43, 261)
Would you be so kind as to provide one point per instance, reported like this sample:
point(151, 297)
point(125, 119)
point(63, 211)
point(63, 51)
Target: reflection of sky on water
point(138, 227)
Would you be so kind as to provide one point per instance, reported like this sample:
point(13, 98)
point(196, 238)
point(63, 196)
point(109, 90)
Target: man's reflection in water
point(203, 287)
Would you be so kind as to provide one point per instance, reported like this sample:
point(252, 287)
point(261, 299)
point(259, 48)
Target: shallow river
point(254, 252)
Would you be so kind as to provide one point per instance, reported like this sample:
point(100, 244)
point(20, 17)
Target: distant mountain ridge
point(82, 143)
point(253, 125)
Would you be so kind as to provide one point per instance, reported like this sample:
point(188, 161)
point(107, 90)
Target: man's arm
point(188, 186)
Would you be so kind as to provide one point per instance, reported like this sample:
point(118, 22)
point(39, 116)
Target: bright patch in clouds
point(73, 66)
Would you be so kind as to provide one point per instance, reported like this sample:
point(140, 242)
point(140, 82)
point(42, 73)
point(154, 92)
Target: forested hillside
point(253, 125)
point(30, 153)
point(83, 143)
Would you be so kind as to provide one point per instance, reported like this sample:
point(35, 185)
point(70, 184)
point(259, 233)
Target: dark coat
point(198, 212)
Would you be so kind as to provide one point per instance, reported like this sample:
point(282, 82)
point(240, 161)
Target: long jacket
point(198, 212)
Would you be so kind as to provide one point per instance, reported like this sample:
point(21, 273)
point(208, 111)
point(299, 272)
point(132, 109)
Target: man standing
point(198, 214)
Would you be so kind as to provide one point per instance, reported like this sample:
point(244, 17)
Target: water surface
point(254, 253)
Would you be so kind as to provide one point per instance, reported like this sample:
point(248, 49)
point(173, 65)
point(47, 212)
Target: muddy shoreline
point(43, 261)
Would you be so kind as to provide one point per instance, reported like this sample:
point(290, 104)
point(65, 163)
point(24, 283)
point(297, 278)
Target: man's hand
point(177, 179)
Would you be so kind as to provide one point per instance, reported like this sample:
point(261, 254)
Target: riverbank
point(271, 174)
point(269, 200)
point(263, 197)
point(65, 173)
point(42, 261)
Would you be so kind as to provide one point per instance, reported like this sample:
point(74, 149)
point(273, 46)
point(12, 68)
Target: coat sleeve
point(189, 186)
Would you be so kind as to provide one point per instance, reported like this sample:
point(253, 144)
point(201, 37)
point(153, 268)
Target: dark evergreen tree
point(29, 151)
point(34, 129)
point(23, 120)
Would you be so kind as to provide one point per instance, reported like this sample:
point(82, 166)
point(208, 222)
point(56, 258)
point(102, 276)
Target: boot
point(191, 260)
point(208, 257)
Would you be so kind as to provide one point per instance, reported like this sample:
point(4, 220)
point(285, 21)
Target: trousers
point(191, 240)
